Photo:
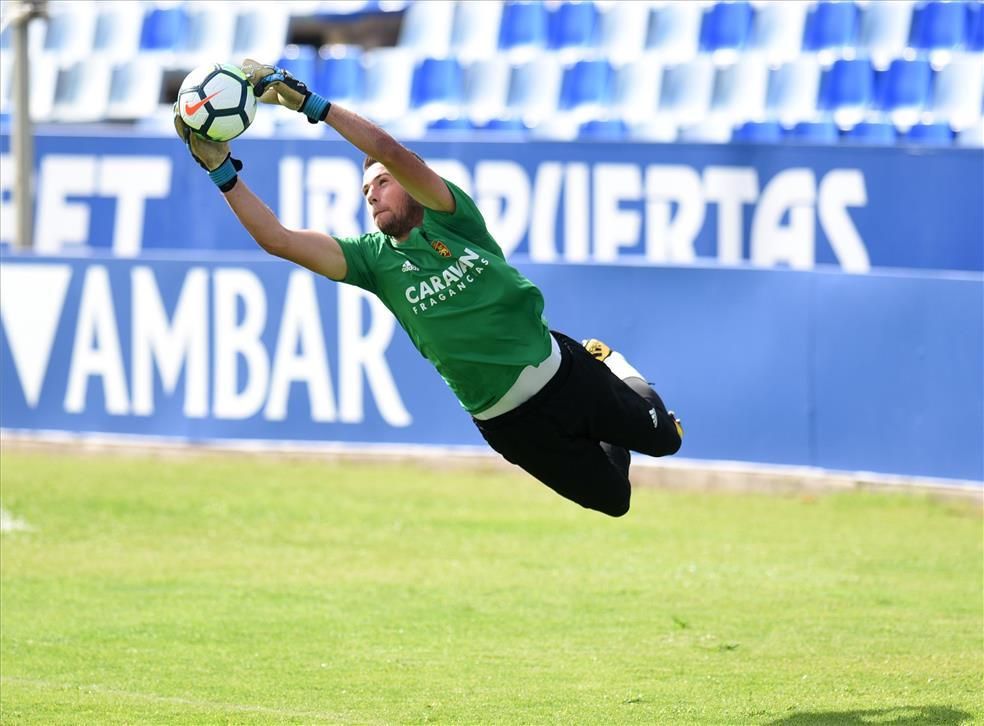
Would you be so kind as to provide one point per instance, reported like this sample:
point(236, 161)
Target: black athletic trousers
point(575, 434)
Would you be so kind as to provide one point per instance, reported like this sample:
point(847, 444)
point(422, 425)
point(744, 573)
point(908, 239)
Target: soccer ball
point(216, 101)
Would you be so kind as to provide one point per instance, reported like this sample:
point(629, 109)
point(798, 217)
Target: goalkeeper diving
point(568, 413)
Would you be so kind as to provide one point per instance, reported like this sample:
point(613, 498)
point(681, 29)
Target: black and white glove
point(213, 156)
point(277, 86)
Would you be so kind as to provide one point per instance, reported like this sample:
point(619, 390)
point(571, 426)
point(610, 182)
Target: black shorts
point(573, 434)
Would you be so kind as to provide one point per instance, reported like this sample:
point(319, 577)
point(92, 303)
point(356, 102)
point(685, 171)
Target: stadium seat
point(870, 133)
point(82, 91)
point(603, 130)
point(884, 31)
point(437, 89)
point(636, 90)
point(44, 80)
point(259, 32)
point(937, 134)
point(687, 90)
point(164, 28)
point(524, 30)
point(847, 90)
point(673, 35)
point(724, 30)
point(534, 89)
point(813, 132)
point(70, 30)
point(958, 91)
point(740, 90)
point(938, 28)
point(777, 30)
point(209, 36)
point(486, 88)
point(426, 28)
point(387, 78)
point(831, 30)
point(586, 89)
point(793, 90)
point(134, 89)
point(573, 30)
point(623, 27)
point(338, 74)
point(904, 90)
point(759, 132)
point(475, 31)
point(974, 42)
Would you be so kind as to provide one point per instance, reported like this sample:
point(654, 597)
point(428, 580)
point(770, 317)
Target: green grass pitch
point(255, 590)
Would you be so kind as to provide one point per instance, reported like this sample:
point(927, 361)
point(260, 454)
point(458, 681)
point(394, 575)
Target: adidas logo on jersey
point(408, 266)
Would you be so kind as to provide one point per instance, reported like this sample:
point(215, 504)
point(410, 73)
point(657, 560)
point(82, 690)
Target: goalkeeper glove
point(212, 156)
point(275, 85)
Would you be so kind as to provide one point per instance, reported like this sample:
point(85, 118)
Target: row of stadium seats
point(674, 32)
point(559, 70)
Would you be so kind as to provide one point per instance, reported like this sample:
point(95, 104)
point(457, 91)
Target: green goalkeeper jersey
point(466, 309)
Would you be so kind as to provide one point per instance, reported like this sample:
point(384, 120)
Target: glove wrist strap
point(224, 175)
point(315, 107)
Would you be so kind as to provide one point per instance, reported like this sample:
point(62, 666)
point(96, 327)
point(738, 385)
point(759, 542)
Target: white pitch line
point(98, 689)
point(10, 523)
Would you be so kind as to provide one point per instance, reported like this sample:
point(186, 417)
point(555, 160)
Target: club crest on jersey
point(441, 248)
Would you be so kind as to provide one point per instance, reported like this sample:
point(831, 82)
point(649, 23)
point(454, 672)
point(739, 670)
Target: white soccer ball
point(216, 101)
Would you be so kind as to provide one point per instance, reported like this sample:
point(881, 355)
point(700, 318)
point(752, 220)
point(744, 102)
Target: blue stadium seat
point(847, 90)
point(603, 130)
point(437, 86)
point(870, 133)
point(974, 42)
point(338, 74)
point(937, 134)
point(831, 28)
point(813, 132)
point(904, 90)
point(939, 26)
point(163, 29)
point(524, 28)
point(884, 31)
point(759, 132)
point(573, 28)
point(958, 91)
point(586, 87)
point(794, 89)
point(725, 29)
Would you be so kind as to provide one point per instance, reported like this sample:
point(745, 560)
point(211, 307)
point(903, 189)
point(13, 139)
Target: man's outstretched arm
point(274, 85)
point(316, 251)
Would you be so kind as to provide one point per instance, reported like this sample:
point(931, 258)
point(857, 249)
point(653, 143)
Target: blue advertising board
point(798, 207)
point(879, 372)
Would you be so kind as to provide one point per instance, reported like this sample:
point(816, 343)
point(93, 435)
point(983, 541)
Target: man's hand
point(212, 156)
point(277, 86)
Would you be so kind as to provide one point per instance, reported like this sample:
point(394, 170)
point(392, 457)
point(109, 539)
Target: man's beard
point(410, 215)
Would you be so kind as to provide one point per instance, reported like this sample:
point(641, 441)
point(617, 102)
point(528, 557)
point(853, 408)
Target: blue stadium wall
point(797, 305)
